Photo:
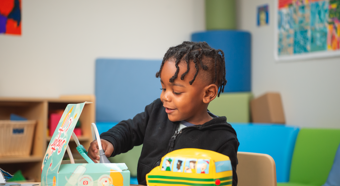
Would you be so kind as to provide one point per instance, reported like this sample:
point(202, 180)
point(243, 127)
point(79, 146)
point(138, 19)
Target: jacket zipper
point(171, 144)
point(175, 136)
point(172, 140)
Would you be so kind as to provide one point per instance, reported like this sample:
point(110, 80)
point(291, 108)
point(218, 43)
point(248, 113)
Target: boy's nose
point(166, 97)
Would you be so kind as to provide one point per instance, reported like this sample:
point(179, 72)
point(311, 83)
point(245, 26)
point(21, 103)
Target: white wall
point(310, 89)
point(61, 40)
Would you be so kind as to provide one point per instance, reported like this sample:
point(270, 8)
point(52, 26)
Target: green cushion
point(130, 158)
point(313, 155)
point(294, 184)
point(220, 15)
point(235, 106)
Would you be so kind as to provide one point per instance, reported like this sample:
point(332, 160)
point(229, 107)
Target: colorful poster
point(10, 17)
point(307, 29)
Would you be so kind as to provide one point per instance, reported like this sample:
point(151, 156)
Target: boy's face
point(181, 100)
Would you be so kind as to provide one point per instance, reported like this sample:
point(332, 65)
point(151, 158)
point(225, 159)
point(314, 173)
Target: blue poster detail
point(319, 18)
point(319, 14)
point(302, 17)
point(286, 42)
point(318, 40)
point(301, 41)
point(285, 19)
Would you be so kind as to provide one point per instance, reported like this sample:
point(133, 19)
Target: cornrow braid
point(178, 60)
point(195, 51)
point(196, 66)
point(187, 59)
point(223, 80)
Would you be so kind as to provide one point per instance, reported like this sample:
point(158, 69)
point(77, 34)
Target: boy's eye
point(162, 89)
point(177, 93)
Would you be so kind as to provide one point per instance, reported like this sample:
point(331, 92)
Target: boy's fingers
point(93, 151)
point(94, 158)
point(94, 146)
point(107, 148)
point(108, 151)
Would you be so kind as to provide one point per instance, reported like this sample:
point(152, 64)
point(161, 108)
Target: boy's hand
point(93, 151)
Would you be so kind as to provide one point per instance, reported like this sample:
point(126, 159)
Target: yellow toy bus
point(192, 166)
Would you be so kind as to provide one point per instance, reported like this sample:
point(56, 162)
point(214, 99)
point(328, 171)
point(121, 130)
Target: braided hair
point(192, 51)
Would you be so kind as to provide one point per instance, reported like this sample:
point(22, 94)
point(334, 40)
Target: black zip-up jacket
point(157, 133)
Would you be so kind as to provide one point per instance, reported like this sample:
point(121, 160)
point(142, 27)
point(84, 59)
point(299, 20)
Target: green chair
point(313, 157)
point(130, 158)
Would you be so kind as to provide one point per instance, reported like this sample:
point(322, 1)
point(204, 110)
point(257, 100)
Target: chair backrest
point(313, 156)
point(130, 158)
point(278, 141)
point(255, 169)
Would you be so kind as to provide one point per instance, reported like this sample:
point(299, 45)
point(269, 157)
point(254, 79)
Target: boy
point(192, 75)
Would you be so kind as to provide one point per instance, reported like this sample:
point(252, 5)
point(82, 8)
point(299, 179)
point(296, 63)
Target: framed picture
point(262, 15)
point(10, 17)
point(307, 29)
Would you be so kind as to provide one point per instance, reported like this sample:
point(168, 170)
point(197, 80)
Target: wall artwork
point(307, 29)
point(262, 15)
point(10, 17)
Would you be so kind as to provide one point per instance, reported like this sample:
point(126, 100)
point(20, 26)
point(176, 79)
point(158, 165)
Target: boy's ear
point(210, 93)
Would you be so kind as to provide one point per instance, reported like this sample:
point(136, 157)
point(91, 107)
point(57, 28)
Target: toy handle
point(103, 158)
point(80, 148)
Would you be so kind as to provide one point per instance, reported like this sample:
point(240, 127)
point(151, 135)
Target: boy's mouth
point(169, 110)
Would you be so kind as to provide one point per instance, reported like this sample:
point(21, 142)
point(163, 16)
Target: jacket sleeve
point(128, 133)
point(230, 149)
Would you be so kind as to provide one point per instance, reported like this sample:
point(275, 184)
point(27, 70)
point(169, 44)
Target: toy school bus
point(192, 166)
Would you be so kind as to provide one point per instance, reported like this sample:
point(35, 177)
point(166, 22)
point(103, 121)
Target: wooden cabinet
point(38, 109)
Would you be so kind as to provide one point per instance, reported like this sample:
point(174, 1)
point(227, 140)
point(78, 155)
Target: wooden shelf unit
point(38, 109)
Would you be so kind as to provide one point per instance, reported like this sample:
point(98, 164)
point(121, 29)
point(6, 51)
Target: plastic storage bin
point(16, 137)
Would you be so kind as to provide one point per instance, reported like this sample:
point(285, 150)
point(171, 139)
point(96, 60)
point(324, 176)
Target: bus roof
point(198, 153)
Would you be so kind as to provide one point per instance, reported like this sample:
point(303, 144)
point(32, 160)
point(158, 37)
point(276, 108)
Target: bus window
point(178, 165)
point(222, 166)
point(190, 165)
point(167, 164)
point(203, 166)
